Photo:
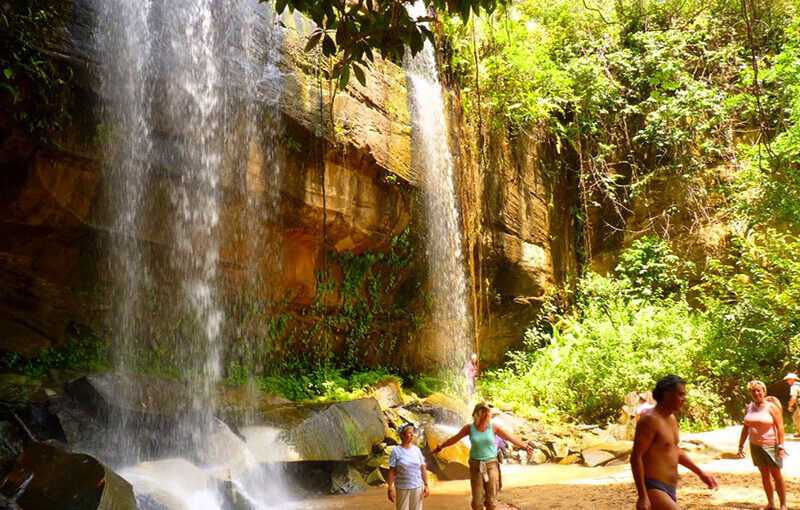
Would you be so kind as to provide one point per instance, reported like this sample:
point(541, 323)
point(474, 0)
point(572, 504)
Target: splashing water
point(176, 110)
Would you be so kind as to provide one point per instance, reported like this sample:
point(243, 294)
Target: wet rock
point(224, 448)
point(322, 432)
point(139, 393)
point(409, 417)
point(441, 408)
point(448, 402)
point(375, 478)
point(572, 458)
point(346, 480)
point(380, 461)
point(538, 457)
point(11, 445)
point(452, 463)
point(8, 504)
point(593, 458)
point(560, 449)
point(270, 444)
point(388, 394)
point(48, 478)
point(237, 405)
point(80, 428)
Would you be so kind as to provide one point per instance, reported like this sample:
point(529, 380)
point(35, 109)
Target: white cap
point(791, 375)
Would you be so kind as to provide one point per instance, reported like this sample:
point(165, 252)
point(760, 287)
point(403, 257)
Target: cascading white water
point(431, 154)
point(173, 77)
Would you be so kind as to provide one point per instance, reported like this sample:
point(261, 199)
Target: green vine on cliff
point(35, 89)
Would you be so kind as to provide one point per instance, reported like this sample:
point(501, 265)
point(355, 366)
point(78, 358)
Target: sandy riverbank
point(573, 487)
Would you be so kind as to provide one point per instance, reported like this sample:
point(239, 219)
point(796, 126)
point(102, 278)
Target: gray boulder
point(48, 478)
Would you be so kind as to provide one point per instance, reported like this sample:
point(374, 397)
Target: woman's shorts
point(765, 456)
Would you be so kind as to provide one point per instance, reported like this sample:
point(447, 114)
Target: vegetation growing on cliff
point(628, 93)
point(34, 90)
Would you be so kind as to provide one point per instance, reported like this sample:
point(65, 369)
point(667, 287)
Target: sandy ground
point(561, 487)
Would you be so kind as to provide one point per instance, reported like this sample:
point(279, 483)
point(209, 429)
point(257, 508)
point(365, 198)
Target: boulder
point(346, 480)
point(270, 444)
point(11, 445)
point(381, 461)
point(452, 463)
point(81, 429)
point(8, 504)
point(48, 478)
point(444, 409)
point(388, 394)
point(560, 449)
point(538, 457)
point(572, 458)
point(594, 458)
point(409, 417)
point(226, 453)
point(138, 393)
point(375, 478)
point(450, 403)
point(321, 432)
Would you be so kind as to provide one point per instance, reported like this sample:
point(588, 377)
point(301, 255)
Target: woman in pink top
point(763, 426)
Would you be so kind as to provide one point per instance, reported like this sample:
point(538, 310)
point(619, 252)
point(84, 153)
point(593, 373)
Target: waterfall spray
point(431, 154)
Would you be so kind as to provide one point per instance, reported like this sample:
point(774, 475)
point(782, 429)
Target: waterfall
point(431, 155)
point(180, 119)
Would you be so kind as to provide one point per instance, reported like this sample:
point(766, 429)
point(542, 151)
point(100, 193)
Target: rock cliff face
point(54, 274)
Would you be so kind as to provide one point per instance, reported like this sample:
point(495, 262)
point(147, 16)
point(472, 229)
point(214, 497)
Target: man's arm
point(686, 462)
point(792, 397)
point(645, 433)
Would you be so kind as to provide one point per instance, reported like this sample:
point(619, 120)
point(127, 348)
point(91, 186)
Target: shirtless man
point(655, 456)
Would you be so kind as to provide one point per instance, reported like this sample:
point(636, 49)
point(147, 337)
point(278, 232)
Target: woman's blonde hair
point(756, 384)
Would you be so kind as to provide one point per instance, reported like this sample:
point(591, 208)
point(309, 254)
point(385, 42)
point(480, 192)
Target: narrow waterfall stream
point(180, 124)
point(431, 154)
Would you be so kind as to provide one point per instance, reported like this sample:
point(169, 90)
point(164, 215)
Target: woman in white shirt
point(408, 478)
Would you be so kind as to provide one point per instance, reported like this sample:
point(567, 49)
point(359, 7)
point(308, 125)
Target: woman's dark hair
point(667, 383)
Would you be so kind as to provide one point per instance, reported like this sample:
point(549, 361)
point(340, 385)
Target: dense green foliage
point(34, 91)
point(84, 350)
point(629, 92)
point(620, 337)
point(352, 30)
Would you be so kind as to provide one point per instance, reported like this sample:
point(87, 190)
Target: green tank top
point(483, 447)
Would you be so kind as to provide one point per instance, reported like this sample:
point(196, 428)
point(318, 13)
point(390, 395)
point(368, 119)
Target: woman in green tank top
point(484, 470)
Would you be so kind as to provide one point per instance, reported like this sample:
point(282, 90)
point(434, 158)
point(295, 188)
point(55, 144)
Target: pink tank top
point(760, 426)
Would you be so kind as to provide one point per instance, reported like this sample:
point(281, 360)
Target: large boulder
point(346, 480)
point(388, 394)
point(270, 444)
point(452, 463)
point(318, 432)
point(138, 393)
point(48, 478)
point(444, 409)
